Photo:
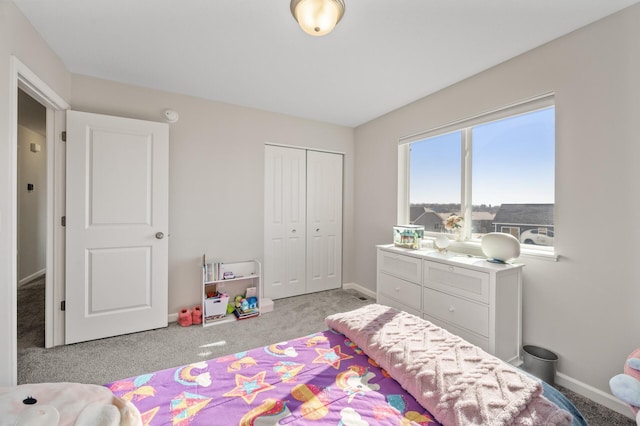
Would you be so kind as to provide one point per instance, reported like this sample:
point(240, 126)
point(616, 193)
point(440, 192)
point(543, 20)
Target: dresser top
point(451, 258)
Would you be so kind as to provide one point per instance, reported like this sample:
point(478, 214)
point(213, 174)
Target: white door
point(116, 226)
point(324, 221)
point(284, 222)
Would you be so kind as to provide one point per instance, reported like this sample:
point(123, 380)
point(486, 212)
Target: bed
point(374, 366)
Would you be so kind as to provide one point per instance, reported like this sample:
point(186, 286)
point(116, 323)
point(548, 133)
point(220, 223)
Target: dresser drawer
point(409, 268)
point(387, 301)
point(456, 280)
point(459, 312)
point(405, 292)
point(477, 340)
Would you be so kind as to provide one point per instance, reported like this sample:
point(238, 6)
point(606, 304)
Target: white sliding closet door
point(303, 222)
point(284, 222)
point(324, 221)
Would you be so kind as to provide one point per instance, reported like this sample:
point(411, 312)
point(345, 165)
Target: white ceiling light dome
point(317, 17)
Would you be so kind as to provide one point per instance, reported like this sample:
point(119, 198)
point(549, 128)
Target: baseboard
point(596, 395)
point(267, 303)
point(359, 288)
point(588, 391)
point(31, 277)
point(347, 286)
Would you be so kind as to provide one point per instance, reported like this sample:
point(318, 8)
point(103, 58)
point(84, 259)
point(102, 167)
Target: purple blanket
point(323, 379)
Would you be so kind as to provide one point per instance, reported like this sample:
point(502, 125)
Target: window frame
point(466, 125)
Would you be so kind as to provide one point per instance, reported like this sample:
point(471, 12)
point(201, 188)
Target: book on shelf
point(212, 271)
point(248, 313)
point(214, 318)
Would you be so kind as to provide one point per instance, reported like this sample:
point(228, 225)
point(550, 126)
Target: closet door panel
point(285, 222)
point(324, 221)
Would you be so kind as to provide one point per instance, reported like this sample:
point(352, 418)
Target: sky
point(513, 162)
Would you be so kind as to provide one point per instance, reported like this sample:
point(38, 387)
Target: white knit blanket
point(456, 381)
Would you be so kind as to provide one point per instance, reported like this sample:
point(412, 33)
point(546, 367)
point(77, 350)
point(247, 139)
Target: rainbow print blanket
point(321, 379)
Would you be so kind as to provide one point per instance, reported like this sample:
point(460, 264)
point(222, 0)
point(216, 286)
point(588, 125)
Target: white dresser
point(478, 300)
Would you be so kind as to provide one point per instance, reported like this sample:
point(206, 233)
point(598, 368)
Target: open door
point(117, 224)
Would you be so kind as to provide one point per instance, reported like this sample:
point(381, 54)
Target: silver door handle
point(293, 231)
point(159, 235)
point(317, 229)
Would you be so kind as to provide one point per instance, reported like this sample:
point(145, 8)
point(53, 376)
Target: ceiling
point(382, 55)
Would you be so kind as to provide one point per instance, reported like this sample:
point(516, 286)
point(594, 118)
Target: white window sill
point(473, 248)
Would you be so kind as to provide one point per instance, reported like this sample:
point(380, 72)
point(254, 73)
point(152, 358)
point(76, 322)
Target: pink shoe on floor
point(184, 317)
point(196, 315)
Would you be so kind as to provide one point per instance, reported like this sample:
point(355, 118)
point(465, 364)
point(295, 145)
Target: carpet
point(106, 360)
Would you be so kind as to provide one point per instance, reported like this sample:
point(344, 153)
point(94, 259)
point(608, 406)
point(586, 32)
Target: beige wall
point(216, 164)
point(216, 168)
point(584, 307)
point(32, 205)
point(17, 37)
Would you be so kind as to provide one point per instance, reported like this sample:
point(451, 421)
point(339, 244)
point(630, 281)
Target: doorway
point(31, 218)
point(26, 80)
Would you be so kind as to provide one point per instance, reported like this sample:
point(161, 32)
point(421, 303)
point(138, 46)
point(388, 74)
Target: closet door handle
point(317, 229)
point(293, 231)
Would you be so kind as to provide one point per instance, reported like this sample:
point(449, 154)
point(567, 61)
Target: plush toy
point(238, 300)
point(244, 305)
point(54, 404)
point(253, 302)
point(626, 387)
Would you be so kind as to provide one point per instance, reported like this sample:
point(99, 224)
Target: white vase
point(500, 247)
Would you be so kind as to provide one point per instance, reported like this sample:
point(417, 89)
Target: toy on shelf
point(246, 307)
point(252, 302)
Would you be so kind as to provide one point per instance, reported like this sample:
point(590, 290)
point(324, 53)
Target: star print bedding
point(328, 378)
point(323, 378)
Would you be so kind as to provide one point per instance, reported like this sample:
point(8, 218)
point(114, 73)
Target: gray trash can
point(540, 362)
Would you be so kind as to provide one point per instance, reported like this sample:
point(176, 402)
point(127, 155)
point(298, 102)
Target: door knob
point(159, 235)
point(317, 229)
point(293, 231)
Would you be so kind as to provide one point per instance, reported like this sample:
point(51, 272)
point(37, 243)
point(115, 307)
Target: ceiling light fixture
point(317, 17)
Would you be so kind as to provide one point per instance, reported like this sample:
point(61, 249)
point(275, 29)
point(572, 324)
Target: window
point(495, 170)
point(515, 231)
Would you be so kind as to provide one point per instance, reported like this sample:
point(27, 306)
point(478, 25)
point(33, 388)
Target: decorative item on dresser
point(469, 296)
point(500, 247)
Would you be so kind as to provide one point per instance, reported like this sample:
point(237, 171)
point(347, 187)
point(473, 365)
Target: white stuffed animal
point(61, 404)
point(626, 387)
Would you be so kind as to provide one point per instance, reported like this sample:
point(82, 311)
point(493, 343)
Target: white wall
point(584, 307)
point(17, 37)
point(32, 205)
point(216, 168)
point(216, 162)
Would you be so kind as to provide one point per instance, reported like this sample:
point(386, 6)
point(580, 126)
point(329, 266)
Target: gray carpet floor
point(103, 361)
